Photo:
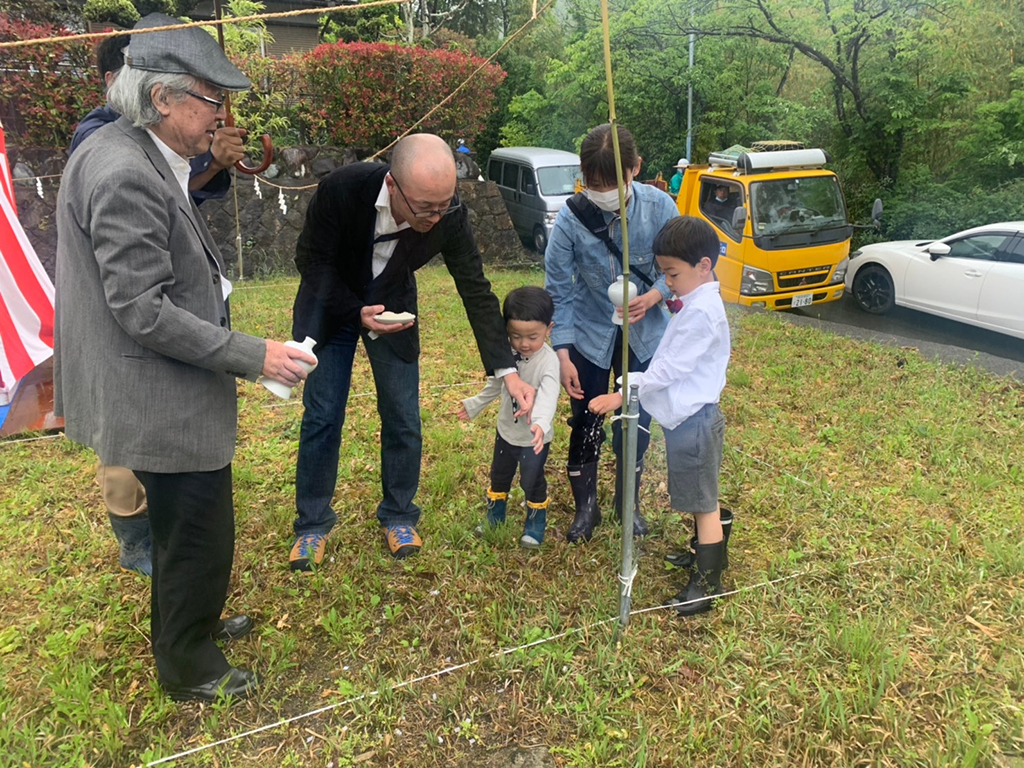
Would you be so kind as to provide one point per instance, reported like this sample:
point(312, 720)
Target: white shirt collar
point(702, 288)
point(386, 223)
point(179, 165)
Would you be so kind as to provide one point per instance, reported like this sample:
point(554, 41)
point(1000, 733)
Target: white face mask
point(607, 201)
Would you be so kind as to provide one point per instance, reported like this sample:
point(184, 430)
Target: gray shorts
point(694, 453)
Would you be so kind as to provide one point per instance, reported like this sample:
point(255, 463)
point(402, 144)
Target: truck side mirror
point(938, 249)
point(876, 211)
point(739, 219)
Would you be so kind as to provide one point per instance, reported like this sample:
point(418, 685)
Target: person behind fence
point(122, 493)
point(144, 359)
point(584, 255)
point(681, 389)
point(368, 228)
point(528, 312)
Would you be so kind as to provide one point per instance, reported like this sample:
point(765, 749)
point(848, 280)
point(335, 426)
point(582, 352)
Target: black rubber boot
point(583, 479)
point(705, 581)
point(685, 558)
point(136, 547)
point(639, 524)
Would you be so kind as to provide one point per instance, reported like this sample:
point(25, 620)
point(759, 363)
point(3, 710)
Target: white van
point(535, 184)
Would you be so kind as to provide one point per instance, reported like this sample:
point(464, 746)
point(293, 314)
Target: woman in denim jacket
point(579, 267)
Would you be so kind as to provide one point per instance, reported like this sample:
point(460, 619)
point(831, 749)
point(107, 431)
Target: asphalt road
point(950, 341)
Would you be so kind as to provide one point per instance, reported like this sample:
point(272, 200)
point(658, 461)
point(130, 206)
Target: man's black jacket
point(334, 256)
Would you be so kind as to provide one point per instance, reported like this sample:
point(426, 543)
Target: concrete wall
point(268, 235)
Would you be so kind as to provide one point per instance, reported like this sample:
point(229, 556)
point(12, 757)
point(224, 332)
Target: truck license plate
point(803, 300)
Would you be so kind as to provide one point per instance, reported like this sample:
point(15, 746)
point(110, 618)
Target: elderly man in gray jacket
point(145, 363)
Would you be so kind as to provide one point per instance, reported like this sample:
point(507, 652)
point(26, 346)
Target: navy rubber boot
point(134, 538)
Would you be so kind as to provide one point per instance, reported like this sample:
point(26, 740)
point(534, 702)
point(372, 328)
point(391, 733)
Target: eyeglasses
point(453, 205)
point(216, 103)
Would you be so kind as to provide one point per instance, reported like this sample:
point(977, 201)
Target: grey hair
point(130, 93)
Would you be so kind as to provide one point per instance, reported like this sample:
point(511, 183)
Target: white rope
point(627, 582)
point(288, 403)
point(32, 439)
point(496, 654)
point(268, 285)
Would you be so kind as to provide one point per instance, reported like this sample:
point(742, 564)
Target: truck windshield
point(797, 205)
point(558, 179)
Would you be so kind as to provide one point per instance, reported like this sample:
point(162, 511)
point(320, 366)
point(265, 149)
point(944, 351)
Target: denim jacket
point(579, 268)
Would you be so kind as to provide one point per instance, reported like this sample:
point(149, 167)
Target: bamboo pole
point(628, 458)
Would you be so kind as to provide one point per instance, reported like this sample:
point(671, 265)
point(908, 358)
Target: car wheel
point(873, 290)
point(540, 240)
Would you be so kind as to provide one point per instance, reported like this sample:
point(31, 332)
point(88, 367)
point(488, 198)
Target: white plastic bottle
point(617, 295)
point(283, 390)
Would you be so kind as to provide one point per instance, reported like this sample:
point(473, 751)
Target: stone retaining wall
point(268, 234)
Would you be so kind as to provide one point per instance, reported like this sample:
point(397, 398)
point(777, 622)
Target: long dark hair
point(597, 155)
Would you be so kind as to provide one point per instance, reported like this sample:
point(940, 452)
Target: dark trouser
point(325, 397)
point(531, 469)
point(192, 520)
point(587, 428)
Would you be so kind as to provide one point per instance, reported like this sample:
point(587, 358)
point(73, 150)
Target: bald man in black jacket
point(368, 228)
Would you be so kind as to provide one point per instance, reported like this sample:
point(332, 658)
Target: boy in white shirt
point(528, 312)
point(681, 389)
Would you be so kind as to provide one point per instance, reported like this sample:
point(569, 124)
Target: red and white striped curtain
point(26, 292)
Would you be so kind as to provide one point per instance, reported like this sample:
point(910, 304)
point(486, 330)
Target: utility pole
point(689, 96)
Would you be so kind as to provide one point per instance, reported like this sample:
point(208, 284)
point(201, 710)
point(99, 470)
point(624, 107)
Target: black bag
point(590, 216)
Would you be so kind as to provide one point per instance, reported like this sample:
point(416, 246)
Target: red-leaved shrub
point(366, 94)
point(45, 90)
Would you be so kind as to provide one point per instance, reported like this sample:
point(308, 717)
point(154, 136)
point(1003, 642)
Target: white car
point(975, 276)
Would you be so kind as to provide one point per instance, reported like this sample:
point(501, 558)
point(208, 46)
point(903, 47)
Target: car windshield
point(558, 179)
point(797, 205)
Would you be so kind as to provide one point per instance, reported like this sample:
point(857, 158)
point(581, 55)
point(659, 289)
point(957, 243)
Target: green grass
point(837, 451)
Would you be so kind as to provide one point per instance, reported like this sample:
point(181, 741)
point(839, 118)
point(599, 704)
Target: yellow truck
point(782, 221)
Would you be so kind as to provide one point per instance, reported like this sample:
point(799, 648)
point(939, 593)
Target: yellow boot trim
point(495, 496)
point(539, 504)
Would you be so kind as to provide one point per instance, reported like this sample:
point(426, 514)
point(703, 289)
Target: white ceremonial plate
point(395, 318)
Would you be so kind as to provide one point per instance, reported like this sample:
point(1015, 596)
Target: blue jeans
point(401, 444)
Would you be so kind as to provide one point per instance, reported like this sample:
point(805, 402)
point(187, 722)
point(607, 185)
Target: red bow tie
point(674, 305)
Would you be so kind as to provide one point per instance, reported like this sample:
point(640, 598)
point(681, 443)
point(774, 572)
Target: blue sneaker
point(403, 541)
point(307, 552)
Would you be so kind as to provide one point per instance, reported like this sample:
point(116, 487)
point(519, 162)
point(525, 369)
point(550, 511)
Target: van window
point(717, 209)
point(494, 171)
point(510, 176)
point(559, 179)
point(527, 183)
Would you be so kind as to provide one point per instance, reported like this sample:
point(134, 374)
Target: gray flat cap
point(183, 52)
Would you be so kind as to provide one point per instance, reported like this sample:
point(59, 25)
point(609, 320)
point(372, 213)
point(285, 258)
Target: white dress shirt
point(182, 171)
point(385, 224)
point(688, 368)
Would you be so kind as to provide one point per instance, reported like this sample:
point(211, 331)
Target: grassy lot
point(837, 452)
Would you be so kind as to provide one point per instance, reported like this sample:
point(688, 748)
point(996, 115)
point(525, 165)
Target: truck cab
point(782, 222)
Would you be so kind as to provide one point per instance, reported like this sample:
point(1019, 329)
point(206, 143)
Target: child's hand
point(603, 404)
point(462, 413)
point(538, 437)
